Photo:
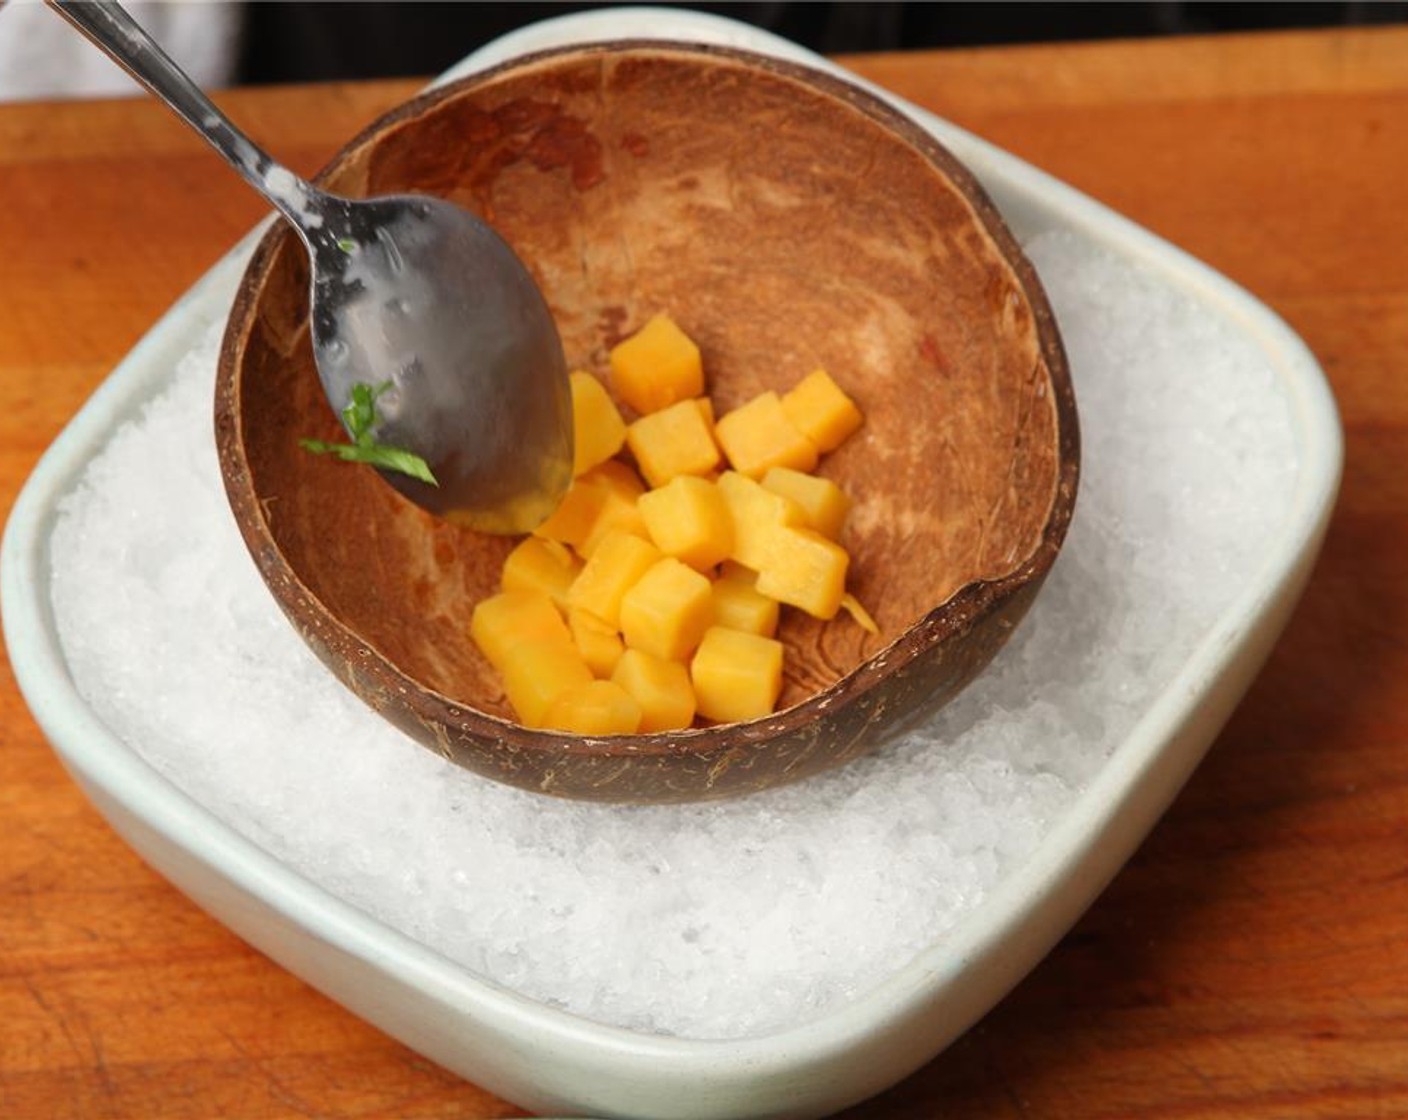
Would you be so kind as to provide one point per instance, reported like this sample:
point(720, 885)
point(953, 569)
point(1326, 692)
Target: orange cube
point(806, 570)
point(575, 514)
point(687, 519)
point(618, 562)
point(601, 498)
point(503, 621)
point(657, 366)
point(823, 502)
point(741, 606)
point(736, 676)
point(619, 510)
point(758, 435)
point(598, 642)
point(660, 687)
point(667, 610)
point(821, 411)
point(594, 708)
point(755, 513)
point(674, 441)
point(536, 673)
point(543, 565)
point(597, 428)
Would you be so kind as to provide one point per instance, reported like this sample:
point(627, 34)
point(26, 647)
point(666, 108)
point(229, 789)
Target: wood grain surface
point(1251, 961)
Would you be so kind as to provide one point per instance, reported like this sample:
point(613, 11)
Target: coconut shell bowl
point(787, 221)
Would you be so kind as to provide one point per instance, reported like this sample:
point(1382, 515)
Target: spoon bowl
point(786, 220)
point(431, 338)
point(425, 302)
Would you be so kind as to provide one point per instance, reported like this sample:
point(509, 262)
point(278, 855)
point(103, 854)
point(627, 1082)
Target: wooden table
point(1252, 960)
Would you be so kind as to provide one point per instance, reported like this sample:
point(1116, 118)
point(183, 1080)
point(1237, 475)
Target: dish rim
point(1005, 934)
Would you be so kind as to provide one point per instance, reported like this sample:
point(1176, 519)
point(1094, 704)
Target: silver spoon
point(412, 294)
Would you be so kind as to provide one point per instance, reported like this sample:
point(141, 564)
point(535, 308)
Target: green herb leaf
point(359, 414)
point(360, 417)
point(347, 245)
point(377, 455)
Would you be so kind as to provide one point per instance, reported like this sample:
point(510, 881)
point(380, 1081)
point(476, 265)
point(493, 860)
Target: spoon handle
point(108, 26)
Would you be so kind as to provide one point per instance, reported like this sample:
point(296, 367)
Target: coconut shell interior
point(786, 222)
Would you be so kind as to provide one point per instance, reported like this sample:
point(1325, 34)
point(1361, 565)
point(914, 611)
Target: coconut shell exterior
point(786, 221)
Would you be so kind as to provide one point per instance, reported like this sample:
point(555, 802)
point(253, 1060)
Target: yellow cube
point(736, 676)
point(806, 570)
point(687, 519)
point(823, 502)
point(660, 687)
point(602, 499)
point(755, 513)
point(594, 708)
point(536, 673)
point(656, 366)
point(758, 435)
point(503, 621)
point(597, 428)
point(667, 610)
point(618, 562)
point(575, 514)
point(598, 499)
point(741, 606)
point(821, 411)
point(674, 441)
point(598, 642)
point(543, 565)
point(618, 512)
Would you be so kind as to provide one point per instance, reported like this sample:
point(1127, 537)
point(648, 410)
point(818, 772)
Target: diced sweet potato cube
point(542, 565)
point(755, 513)
point(536, 673)
point(598, 642)
point(503, 621)
point(806, 570)
point(597, 428)
point(660, 687)
point(616, 477)
point(619, 519)
point(823, 502)
point(618, 514)
point(575, 514)
point(674, 441)
point(656, 366)
point(736, 676)
point(758, 435)
point(687, 519)
point(599, 498)
point(821, 411)
point(618, 562)
point(741, 606)
point(594, 708)
point(667, 610)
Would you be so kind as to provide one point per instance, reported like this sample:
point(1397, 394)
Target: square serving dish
point(548, 1059)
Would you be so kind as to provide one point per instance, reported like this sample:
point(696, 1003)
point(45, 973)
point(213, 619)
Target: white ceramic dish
point(547, 1059)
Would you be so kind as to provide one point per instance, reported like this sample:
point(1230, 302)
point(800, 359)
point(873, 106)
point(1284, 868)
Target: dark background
point(328, 40)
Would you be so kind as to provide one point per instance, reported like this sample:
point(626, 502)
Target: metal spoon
point(409, 290)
